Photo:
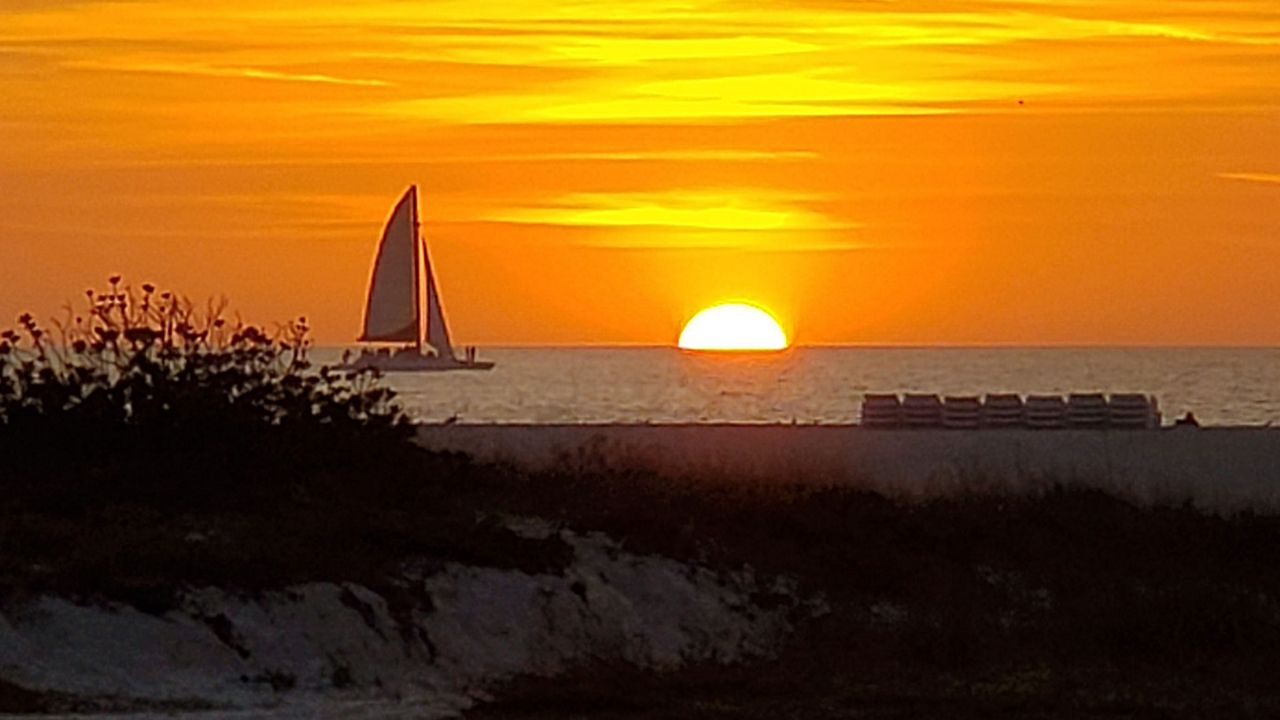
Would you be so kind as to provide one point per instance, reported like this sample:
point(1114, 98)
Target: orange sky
point(597, 171)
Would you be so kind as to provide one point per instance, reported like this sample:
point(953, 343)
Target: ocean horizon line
point(844, 346)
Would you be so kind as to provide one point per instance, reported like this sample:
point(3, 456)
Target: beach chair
point(961, 412)
point(921, 411)
point(1002, 410)
point(881, 410)
point(1045, 412)
point(1132, 411)
point(1087, 410)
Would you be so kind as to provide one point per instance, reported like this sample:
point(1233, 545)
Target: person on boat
point(1188, 420)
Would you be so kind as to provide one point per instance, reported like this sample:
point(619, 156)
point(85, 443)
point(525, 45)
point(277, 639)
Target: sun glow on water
point(733, 326)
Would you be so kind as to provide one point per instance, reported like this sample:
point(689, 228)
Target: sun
point(733, 326)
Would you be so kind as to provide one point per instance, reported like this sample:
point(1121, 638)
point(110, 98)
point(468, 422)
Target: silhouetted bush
point(138, 358)
point(146, 396)
point(147, 445)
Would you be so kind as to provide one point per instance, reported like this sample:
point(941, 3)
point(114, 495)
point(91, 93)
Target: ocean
point(1221, 386)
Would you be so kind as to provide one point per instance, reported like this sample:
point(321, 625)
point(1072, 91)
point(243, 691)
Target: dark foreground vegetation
point(154, 447)
point(147, 444)
point(1066, 604)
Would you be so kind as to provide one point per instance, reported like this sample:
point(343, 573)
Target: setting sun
point(734, 326)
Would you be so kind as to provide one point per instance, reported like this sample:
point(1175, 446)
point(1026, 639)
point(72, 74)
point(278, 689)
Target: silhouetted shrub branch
point(140, 357)
point(146, 396)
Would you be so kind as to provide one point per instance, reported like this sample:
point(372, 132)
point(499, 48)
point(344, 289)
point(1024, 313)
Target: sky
point(873, 172)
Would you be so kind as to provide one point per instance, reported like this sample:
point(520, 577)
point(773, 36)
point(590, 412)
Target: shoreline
point(1220, 467)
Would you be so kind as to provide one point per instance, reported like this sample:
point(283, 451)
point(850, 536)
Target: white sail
point(437, 330)
point(392, 314)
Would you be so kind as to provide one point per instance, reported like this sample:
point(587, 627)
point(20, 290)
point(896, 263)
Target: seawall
point(1217, 467)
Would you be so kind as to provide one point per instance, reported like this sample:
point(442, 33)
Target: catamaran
point(394, 314)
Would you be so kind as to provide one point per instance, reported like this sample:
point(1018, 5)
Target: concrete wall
point(1221, 467)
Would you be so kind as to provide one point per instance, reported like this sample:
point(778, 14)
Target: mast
point(419, 256)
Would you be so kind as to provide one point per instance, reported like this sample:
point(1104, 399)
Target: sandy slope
point(342, 650)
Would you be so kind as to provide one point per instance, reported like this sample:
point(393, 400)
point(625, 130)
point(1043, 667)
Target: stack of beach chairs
point(1132, 410)
point(1045, 412)
point(1007, 410)
point(880, 410)
point(962, 413)
point(1002, 410)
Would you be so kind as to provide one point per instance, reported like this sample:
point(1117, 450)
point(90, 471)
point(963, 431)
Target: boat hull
point(405, 362)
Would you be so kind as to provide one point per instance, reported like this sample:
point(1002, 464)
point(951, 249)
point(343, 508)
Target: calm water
point(552, 385)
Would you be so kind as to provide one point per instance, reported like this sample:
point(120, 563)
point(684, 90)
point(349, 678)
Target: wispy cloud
point(720, 210)
point(1252, 177)
point(728, 219)
point(224, 72)
point(691, 155)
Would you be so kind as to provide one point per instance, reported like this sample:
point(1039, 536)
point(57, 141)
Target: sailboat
point(407, 323)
